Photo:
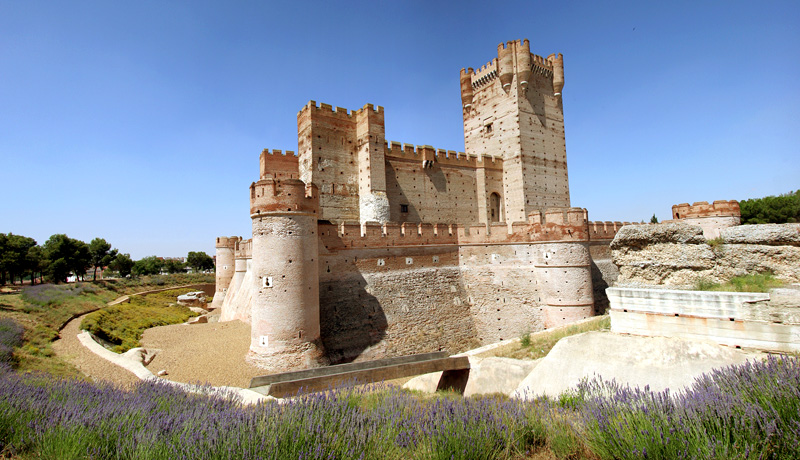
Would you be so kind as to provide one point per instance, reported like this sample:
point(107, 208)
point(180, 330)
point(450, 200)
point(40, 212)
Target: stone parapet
point(287, 196)
point(719, 208)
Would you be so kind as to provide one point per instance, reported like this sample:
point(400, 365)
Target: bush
point(47, 295)
point(123, 324)
point(746, 411)
point(11, 334)
point(758, 282)
point(771, 209)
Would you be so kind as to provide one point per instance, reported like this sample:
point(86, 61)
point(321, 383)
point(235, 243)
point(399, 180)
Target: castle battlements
point(287, 196)
point(227, 241)
point(444, 157)
point(555, 225)
point(244, 249)
point(599, 230)
point(279, 165)
point(338, 112)
point(719, 208)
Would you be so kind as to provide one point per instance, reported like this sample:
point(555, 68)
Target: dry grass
point(538, 344)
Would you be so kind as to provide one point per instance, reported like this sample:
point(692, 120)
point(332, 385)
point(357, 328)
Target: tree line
point(779, 209)
point(60, 256)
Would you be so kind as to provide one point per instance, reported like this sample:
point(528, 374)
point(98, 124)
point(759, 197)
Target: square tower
point(512, 110)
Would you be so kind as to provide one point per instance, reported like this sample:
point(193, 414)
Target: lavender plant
point(746, 411)
point(10, 337)
point(749, 411)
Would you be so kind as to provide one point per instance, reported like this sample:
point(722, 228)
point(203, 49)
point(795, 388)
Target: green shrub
point(123, 324)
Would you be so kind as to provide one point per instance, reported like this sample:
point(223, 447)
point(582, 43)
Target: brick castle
point(365, 248)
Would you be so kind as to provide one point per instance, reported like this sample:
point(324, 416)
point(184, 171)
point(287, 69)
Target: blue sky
point(142, 122)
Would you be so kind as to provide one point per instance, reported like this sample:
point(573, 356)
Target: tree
point(174, 266)
point(122, 264)
point(66, 255)
point(771, 209)
point(150, 265)
point(199, 261)
point(654, 219)
point(14, 256)
point(36, 262)
point(101, 254)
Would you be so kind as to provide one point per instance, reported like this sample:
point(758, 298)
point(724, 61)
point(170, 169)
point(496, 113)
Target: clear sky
point(141, 122)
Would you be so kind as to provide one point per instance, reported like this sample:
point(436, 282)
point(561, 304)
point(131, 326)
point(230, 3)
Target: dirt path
point(96, 368)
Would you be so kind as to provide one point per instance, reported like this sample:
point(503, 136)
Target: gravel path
point(207, 353)
point(96, 368)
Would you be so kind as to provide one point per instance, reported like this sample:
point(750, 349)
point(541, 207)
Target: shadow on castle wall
point(437, 178)
point(351, 319)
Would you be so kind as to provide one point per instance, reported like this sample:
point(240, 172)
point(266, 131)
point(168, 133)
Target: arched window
point(495, 208)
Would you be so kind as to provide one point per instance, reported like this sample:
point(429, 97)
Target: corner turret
point(285, 331)
point(224, 267)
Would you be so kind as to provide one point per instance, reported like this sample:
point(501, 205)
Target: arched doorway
point(495, 208)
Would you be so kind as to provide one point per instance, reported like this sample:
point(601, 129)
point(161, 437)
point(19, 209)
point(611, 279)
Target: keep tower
point(513, 110)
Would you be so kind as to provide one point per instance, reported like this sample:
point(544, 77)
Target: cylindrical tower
point(565, 282)
point(505, 64)
point(558, 73)
point(285, 315)
point(230, 309)
point(224, 267)
point(524, 63)
point(466, 88)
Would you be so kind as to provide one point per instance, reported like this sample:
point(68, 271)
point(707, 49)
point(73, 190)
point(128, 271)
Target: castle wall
point(376, 303)
point(442, 192)
point(503, 290)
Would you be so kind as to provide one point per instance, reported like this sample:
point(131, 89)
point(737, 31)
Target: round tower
point(558, 73)
point(565, 283)
point(230, 309)
point(224, 267)
point(285, 308)
point(524, 63)
point(466, 88)
point(505, 65)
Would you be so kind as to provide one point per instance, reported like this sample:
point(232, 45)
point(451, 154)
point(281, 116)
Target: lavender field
point(748, 411)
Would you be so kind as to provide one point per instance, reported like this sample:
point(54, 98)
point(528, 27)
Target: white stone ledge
point(705, 304)
point(744, 334)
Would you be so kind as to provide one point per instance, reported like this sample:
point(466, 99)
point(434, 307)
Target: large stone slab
point(659, 362)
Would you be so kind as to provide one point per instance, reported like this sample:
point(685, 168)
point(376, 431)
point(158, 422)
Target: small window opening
point(404, 208)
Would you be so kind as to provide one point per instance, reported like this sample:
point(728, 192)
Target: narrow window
point(404, 208)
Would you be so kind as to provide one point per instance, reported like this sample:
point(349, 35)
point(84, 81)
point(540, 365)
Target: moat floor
point(210, 353)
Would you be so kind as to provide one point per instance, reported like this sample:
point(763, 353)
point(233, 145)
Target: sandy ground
point(211, 353)
point(70, 348)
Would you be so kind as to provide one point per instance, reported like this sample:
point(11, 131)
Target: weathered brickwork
point(365, 248)
point(712, 218)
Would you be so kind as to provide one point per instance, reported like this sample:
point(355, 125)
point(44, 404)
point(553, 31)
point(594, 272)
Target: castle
point(365, 248)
